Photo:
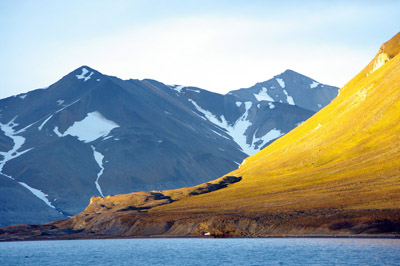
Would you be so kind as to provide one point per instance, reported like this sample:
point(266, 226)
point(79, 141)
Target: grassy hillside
point(347, 156)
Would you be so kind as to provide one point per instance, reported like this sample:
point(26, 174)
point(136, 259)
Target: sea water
point(199, 251)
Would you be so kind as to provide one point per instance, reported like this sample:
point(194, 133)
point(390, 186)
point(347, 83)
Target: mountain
point(336, 174)
point(91, 134)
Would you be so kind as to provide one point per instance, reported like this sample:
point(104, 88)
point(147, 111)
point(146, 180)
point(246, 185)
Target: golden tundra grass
point(346, 156)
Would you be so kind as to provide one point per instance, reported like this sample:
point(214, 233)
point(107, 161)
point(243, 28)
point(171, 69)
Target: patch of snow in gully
point(210, 116)
point(220, 134)
point(9, 131)
point(44, 122)
point(271, 135)
point(66, 106)
point(289, 99)
point(92, 127)
point(60, 102)
point(38, 193)
point(236, 131)
point(99, 159)
point(281, 82)
point(58, 133)
point(106, 138)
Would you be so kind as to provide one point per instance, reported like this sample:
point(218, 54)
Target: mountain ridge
point(90, 134)
point(337, 174)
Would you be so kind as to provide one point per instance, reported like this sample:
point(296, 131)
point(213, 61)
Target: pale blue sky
point(216, 45)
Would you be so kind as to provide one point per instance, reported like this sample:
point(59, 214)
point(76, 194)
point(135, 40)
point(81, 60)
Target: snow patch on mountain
point(197, 91)
point(237, 130)
point(314, 85)
point(44, 122)
point(220, 134)
point(83, 75)
point(23, 96)
point(281, 82)
point(271, 135)
point(107, 137)
point(9, 131)
point(60, 102)
point(177, 88)
point(242, 163)
point(99, 159)
point(289, 99)
point(66, 106)
point(38, 193)
point(92, 127)
point(210, 116)
point(271, 105)
point(263, 95)
point(58, 133)
point(238, 104)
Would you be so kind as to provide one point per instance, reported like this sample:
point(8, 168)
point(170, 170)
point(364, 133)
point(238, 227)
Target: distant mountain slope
point(256, 116)
point(95, 135)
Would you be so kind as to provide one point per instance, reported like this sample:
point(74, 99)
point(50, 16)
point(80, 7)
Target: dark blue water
point(261, 251)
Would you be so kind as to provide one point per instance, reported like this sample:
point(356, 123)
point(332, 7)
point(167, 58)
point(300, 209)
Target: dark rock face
point(95, 135)
point(19, 204)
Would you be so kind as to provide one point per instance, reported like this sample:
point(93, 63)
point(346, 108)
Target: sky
point(216, 45)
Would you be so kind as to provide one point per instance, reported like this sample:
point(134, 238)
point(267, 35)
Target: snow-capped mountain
point(256, 116)
point(95, 135)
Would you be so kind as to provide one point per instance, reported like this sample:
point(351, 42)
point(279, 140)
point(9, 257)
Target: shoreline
point(106, 237)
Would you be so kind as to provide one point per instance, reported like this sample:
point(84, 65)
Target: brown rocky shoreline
point(133, 224)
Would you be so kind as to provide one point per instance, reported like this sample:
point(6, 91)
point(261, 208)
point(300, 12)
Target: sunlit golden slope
point(347, 156)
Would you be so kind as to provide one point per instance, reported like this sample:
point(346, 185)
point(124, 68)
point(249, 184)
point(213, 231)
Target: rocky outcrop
point(132, 215)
